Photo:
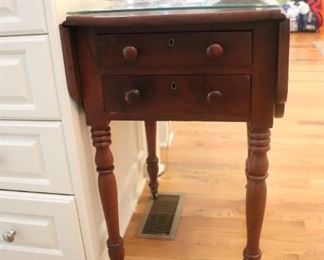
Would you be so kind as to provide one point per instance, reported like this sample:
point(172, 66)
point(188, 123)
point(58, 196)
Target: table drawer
point(39, 227)
point(167, 95)
point(174, 51)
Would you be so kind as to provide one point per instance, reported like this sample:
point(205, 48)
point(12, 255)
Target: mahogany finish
point(174, 95)
point(101, 137)
point(133, 96)
point(214, 97)
point(130, 53)
point(152, 160)
point(181, 65)
point(256, 189)
point(283, 58)
point(215, 50)
point(171, 51)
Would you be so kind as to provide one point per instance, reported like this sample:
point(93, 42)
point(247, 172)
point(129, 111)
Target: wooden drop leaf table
point(201, 62)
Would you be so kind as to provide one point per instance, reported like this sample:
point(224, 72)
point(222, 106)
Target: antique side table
point(220, 62)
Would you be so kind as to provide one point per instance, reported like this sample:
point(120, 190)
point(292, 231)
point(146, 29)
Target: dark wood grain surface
point(71, 63)
point(283, 68)
point(173, 95)
point(172, 51)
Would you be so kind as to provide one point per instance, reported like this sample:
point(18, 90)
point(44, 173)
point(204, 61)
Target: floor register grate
point(161, 217)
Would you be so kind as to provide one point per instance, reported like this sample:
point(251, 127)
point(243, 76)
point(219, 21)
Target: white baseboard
point(165, 134)
point(167, 143)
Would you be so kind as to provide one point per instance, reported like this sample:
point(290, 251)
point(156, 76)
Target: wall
point(129, 149)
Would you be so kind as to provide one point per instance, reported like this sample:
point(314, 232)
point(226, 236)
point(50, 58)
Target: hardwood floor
point(206, 161)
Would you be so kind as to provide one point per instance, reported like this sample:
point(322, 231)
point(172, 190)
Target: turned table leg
point(152, 160)
point(108, 189)
point(248, 146)
point(256, 173)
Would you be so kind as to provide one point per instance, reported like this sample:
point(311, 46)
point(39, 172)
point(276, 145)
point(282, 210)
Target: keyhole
point(171, 42)
point(173, 85)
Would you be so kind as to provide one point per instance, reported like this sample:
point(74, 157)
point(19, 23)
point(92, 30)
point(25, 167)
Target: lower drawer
point(194, 96)
point(39, 226)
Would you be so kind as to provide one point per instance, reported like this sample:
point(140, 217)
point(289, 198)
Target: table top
point(128, 13)
point(116, 6)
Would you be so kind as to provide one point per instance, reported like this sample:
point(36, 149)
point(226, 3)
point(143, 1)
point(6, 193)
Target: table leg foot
point(152, 160)
point(153, 170)
point(116, 251)
point(248, 256)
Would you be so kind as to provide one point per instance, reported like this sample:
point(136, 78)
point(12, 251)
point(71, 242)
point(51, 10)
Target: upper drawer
point(22, 17)
point(27, 88)
point(39, 227)
point(174, 52)
point(33, 157)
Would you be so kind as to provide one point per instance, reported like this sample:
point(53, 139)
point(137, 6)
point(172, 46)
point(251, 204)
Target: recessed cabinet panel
point(39, 227)
point(27, 86)
point(22, 17)
point(33, 157)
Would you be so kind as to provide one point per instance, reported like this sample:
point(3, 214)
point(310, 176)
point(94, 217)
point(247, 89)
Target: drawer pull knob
point(215, 50)
point(133, 96)
point(214, 97)
point(130, 53)
point(9, 236)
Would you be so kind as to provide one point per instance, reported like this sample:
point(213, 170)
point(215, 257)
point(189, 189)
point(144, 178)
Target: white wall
point(128, 146)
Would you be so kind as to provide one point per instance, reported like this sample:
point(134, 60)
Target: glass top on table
point(115, 6)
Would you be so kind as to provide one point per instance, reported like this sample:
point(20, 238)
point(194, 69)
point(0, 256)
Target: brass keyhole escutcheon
point(171, 43)
point(173, 85)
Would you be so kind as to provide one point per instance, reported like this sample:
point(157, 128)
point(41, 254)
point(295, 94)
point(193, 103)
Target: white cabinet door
point(46, 227)
point(33, 157)
point(22, 17)
point(27, 84)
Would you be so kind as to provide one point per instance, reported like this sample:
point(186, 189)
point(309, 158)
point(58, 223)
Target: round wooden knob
point(133, 96)
point(215, 50)
point(214, 97)
point(130, 53)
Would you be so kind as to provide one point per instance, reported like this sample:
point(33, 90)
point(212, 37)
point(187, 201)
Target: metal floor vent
point(161, 217)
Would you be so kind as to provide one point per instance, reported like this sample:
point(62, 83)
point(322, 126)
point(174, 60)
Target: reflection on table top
point(115, 6)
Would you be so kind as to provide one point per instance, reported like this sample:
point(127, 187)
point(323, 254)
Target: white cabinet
point(46, 227)
point(47, 174)
point(22, 17)
point(27, 83)
point(33, 157)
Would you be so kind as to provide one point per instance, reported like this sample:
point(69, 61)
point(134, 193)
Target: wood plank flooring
point(206, 161)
